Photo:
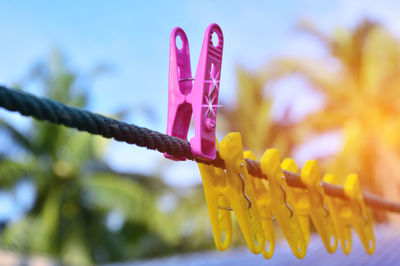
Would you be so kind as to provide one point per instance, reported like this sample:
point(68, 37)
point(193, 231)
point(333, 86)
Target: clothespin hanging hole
point(178, 42)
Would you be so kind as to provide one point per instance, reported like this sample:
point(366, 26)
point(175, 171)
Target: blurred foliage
point(77, 192)
point(251, 116)
point(359, 79)
point(361, 99)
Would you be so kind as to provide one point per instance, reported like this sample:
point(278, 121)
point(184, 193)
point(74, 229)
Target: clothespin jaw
point(179, 86)
point(340, 213)
point(199, 98)
point(361, 218)
point(219, 208)
point(204, 97)
point(283, 212)
point(263, 201)
point(241, 192)
point(301, 203)
point(310, 175)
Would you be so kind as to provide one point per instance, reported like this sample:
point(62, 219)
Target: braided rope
point(58, 113)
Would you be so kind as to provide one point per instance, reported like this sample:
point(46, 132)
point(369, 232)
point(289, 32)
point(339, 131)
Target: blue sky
point(133, 37)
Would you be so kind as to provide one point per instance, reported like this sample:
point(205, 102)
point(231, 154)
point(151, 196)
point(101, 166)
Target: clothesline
point(58, 113)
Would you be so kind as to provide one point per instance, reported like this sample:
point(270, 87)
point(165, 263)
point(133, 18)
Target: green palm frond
point(19, 138)
point(106, 192)
point(17, 236)
point(12, 171)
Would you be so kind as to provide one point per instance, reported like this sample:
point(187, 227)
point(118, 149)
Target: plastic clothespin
point(320, 215)
point(361, 219)
point(351, 213)
point(301, 203)
point(280, 196)
point(339, 210)
point(263, 201)
point(240, 192)
point(219, 207)
point(200, 98)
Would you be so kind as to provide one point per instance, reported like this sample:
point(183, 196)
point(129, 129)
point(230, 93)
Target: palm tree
point(359, 79)
point(252, 117)
point(76, 190)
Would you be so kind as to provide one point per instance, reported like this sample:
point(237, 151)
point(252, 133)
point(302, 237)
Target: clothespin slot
point(301, 203)
point(240, 192)
point(280, 196)
point(263, 201)
point(320, 215)
point(361, 217)
point(200, 97)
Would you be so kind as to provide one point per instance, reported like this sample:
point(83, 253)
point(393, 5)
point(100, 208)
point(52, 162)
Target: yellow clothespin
point(263, 200)
point(240, 193)
point(219, 208)
point(352, 213)
point(301, 203)
point(320, 215)
point(280, 196)
point(340, 212)
point(363, 221)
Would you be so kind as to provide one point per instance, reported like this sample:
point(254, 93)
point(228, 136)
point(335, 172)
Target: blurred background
point(317, 80)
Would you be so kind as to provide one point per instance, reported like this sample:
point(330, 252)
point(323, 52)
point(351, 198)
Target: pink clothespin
point(200, 98)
